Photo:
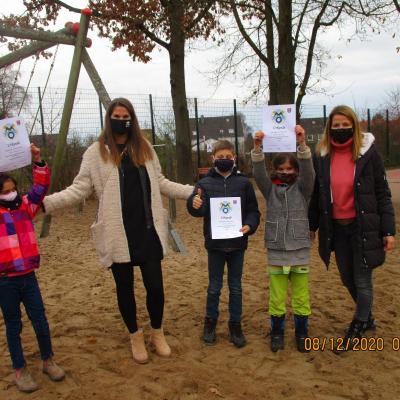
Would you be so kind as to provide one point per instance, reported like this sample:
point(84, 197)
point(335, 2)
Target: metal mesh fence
point(213, 119)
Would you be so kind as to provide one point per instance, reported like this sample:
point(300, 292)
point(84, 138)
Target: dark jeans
point(353, 272)
point(25, 289)
point(153, 282)
point(216, 265)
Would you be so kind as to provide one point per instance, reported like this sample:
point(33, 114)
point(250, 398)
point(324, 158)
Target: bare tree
point(11, 93)
point(278, 48)
point(392, 103)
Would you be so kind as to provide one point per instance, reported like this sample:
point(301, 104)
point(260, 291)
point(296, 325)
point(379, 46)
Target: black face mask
point(13, 204)
point(285, 178)
point(121, 126)
point(223, 164)
point(341, 135)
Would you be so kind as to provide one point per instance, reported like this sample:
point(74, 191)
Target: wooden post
point(34, 48)
point(95, 78)
point(67, 111)
point(63, 36)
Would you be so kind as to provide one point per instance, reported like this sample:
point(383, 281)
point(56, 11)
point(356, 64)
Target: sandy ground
point(92, 344)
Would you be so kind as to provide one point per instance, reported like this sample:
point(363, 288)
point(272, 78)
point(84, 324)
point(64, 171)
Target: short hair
point(223, 145)
point(4, 178)
point(281, 158)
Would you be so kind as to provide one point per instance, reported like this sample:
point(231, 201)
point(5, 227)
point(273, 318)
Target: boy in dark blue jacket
point(223, 180)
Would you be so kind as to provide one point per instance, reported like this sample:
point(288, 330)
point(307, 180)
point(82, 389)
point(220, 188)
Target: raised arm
point(79, 190)
point(263, 180)
point(306, 173)
point(41, 182)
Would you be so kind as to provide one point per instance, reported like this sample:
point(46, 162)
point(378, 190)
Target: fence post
point(325, 115)
point(236, 133)
point(101, 114)
point(153, 129)
point(196, 115)
point(41, 117)
point(369, 120)
point(387, 137)
point(169, 167)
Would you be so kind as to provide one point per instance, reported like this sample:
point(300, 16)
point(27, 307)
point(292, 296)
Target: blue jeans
point(216, 265)
point(25, 289)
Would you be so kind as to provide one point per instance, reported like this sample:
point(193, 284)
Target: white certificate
point(278, 123)
point(15, 149)
point(226, 217)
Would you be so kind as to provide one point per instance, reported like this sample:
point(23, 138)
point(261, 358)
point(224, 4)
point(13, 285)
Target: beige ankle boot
point(159, 342)
point(139, 351)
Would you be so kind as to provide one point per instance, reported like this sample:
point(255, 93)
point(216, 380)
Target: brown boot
point(53, 371)
point(139, 351)
point(25, 382)
point(159, 343)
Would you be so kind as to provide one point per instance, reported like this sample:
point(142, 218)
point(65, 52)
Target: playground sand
point(92, 344)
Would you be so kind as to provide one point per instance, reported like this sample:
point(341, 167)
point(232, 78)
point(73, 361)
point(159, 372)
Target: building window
point(221, 131)
point(231, 131)
point(194, 133)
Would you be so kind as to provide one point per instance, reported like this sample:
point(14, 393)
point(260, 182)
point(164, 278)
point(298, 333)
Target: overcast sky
point(362, 76)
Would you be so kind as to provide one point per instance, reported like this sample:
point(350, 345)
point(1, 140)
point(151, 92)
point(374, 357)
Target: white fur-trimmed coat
point(103, 178)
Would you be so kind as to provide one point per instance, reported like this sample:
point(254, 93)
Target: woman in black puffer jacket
point(352, 210)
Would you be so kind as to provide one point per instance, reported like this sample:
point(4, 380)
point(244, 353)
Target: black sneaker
point(369, 325)
point(236, 333)
point(209, 334)
point(353, 336)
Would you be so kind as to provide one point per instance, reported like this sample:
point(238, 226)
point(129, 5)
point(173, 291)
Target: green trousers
point(279, 278)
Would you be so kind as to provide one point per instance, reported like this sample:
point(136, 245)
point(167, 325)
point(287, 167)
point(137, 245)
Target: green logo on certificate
point(10, 131)
point(225, 207)
point(278, 116)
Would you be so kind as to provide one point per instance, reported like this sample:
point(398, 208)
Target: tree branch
point(201, 15)
point(139, 24)
point(310, 52)
point(303, 13)
point(246, 36)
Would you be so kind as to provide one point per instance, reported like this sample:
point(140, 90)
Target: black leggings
point(153, 282)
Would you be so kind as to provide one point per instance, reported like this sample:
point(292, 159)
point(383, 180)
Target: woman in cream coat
point(131, 228)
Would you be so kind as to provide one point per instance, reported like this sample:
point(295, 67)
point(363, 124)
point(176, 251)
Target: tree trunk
point(286, 74)
point(179, 101)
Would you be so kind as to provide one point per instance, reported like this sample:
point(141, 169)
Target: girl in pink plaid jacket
point(19, 257)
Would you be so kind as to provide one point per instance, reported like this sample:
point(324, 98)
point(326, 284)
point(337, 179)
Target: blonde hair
point(346, 111)
point(137, 146)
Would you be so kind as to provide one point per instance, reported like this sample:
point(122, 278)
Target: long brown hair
point(346, 111)
point(137, 146)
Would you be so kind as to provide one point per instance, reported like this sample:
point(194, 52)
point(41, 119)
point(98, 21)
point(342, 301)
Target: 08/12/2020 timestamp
point(356, 344)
